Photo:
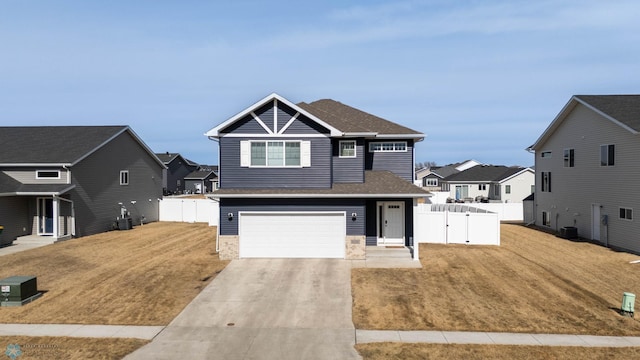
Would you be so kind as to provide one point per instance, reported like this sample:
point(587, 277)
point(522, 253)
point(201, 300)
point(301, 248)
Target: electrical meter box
point(18, 290)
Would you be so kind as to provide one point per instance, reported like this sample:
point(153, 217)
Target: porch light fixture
point(354, 216)
point(230, 216)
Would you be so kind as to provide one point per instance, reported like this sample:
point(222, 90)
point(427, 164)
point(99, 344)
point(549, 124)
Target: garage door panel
point(292, 235)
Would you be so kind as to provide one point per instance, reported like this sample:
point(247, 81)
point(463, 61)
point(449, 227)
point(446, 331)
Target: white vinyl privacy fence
point(456, 224)
point(190, 210)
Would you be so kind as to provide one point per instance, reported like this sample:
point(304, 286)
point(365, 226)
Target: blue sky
point(482, 79)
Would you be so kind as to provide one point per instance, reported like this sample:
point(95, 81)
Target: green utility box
point(18, 290)
point(628, 300)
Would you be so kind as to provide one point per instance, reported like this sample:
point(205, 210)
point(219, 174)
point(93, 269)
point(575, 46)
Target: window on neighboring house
point(569, 159)
point(348, 149)
point(48, 174)
point(430, 182)
point(400, 146)
point(124, 177)
point(545, 154)
point(545, 181)
point(275, 153)
point(533, 189)
point(496, 190)
point(507, 189)
point(482, 187)
point(546, 218)
point(626, 213)
point(607, 155)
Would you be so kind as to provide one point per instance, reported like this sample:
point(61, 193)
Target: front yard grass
point(143, 276)
point(68, 348)
point(390, 351)
point(534, 282)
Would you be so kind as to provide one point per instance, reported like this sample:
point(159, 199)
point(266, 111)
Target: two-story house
point(313, 180)
point(62, 181)
point(177, 169)
point(587, 164)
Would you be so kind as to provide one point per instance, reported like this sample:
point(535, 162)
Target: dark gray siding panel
point(98, 191)
point(285, 114)
point(303, 125)
point(265, 114)
point(15, 217)
point(399, 163)
point(354, 227)
point(348, 170)
point(232, 175)
point(372, 221)
point(176, 171)
point(246, 125)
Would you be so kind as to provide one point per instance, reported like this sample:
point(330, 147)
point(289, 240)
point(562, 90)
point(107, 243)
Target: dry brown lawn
point(534, 282)
point(70, 348)
point(391, 351)
point(143, 276)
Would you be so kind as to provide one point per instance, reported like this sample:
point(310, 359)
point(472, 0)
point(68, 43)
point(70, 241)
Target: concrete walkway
point(99, 331)
point(493, 338)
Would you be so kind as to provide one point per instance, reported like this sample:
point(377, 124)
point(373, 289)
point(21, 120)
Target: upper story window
point(398, 146)
point(47, 174)
point(348, 149)
point(545, 154)
point(275, 153)
point(607, 155)
point(430, 182)
point(124, 177)
point(569, 157)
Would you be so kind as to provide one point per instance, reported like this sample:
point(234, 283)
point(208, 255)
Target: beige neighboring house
point(491, 183)
point(588, 169)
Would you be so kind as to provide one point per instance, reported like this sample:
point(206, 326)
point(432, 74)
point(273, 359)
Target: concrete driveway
point(265, 309)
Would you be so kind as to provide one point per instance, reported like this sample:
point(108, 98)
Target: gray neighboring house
point(177, 168)
point(587, 167)
point(64, 181)
point(313, 180)
point(202, 181)
point(431, 178)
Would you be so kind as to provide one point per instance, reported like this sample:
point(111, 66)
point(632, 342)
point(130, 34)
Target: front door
point(45, 216)
point(391, 223)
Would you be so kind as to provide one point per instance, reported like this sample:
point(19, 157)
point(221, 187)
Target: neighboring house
point(63, 181)
point(318, 180)
point(495, 183)
point(201, 181)
point(431, 178)
point(587, 163)
point(177, 168)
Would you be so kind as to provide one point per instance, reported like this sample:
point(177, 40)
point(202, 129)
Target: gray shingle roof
point(624, 108)
point(10, 186)
point(166, 157)
point(376, 183)
point(484, 173)
point(52, 144)
point(348, 119)
point(200, 174)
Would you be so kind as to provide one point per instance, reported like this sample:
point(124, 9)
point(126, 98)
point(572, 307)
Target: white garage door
point(292, 235)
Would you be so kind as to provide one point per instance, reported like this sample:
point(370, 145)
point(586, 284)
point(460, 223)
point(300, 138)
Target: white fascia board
point(416, 137)
point(516, 174)
point(215, 132)
point(43, 193)
point(361, 134)
point(300, 196)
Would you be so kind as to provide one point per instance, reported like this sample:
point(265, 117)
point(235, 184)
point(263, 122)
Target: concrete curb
point(91, 331)
point(494, 338)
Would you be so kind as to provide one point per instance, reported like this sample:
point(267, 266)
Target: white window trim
point(614, 155)
point(47, 177)
point(625, 218)
point(371, 145)
point(434, 182)
point(548, 153)
point(566, 157)
point(355, 149)
point(507, 189)
point(548, 216)
point(303, 149)
point(123, 172)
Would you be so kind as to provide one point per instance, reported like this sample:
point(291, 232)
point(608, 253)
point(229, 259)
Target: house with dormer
point(313, 180)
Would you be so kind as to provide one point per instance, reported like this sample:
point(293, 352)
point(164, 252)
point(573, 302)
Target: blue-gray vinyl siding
point(348, 170)
point(317, 176)
point(349, 206)
point(303, 125)
point(399, 163)
point(372, 225)
point(246, 125)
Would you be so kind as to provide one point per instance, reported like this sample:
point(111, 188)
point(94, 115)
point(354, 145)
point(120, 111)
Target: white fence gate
point(455, 224)
point(190, 210)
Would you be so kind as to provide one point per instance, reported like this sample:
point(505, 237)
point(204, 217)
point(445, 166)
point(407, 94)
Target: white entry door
point(391, 223)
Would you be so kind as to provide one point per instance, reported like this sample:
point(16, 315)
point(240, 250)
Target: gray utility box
point(18, 290)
